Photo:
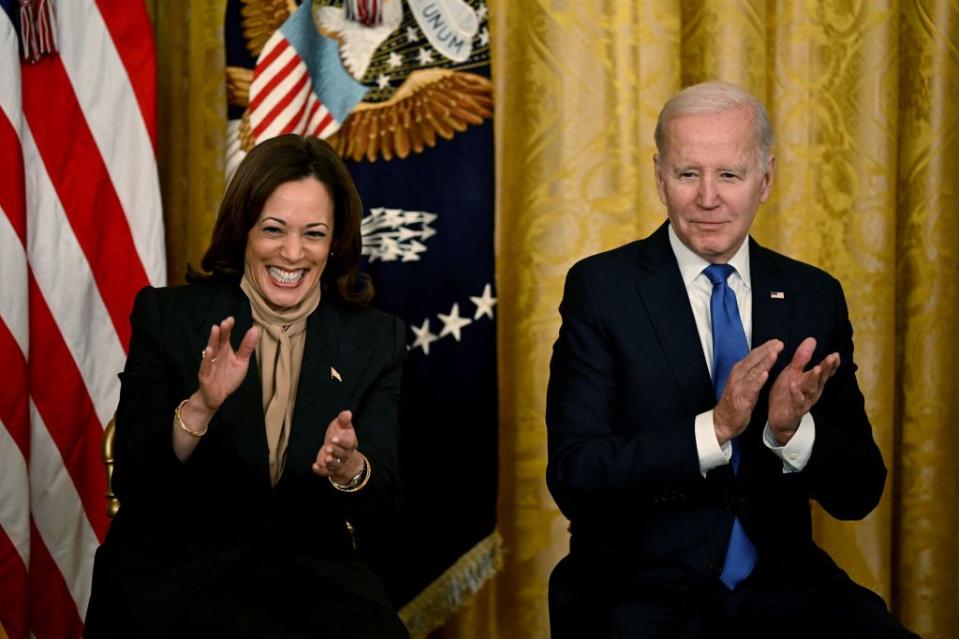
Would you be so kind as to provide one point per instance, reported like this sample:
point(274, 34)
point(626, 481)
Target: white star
point(412, 35)
point(484, 303)
point(484, 37)
point(382, 81)
point(481, 12)
point(424, 337)
point(425, 56)
point(395, 60)
point(452, 323)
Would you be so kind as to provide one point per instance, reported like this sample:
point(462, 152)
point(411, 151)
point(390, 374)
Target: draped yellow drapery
point(191, 124)
point(864, 97)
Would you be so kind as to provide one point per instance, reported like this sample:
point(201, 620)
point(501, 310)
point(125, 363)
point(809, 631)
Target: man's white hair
point(716, 97)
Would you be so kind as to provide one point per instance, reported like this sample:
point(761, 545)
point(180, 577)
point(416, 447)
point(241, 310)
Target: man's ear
point(769, 178)
point(660, 179)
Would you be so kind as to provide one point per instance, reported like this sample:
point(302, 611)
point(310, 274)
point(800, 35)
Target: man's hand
point(795, 392)
point(746, 379)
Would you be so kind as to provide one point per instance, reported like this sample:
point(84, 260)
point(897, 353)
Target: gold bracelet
point(350, 487)
point(183, 427)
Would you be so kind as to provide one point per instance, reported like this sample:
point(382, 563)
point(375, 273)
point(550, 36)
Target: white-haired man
point(702, 392)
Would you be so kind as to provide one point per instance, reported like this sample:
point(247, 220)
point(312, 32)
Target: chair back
point(106, 453)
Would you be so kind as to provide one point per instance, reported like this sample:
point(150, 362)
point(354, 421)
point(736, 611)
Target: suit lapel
point(773, 303)
point(664, 297)
point(331, 369)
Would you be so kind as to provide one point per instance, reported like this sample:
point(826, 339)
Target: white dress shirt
point(795, 454)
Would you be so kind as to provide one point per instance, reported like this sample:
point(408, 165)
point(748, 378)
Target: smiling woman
point(267, 181)
point(287, 249)
point(256, 435)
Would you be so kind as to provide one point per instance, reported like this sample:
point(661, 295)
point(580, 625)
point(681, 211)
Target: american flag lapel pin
point(777, 295)
point(335, 374)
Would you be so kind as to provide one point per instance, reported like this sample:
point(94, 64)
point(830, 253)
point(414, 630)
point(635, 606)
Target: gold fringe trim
point(432, 607)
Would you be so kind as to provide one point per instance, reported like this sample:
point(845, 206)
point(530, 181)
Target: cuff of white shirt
point(795, 454)
point(711, 454)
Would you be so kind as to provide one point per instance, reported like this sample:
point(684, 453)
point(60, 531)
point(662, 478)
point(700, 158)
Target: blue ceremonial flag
point(418, 140)
point(299, 85)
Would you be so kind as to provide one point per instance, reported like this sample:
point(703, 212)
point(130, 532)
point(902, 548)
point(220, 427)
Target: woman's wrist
point(199, 404)
point(193, 416)
point(356, 481)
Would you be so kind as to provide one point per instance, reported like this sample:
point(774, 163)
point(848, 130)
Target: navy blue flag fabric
point(401, 89)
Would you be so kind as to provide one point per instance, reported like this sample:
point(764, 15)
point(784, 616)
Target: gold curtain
point(191, 124)
point(864, 97)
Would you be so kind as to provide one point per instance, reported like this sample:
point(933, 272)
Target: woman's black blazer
point(193, 541)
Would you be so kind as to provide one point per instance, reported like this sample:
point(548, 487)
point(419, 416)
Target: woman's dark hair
point(288, 158)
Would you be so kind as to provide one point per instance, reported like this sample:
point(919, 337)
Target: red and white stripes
point(80, 232)
point(282, 99)
point(367, 12)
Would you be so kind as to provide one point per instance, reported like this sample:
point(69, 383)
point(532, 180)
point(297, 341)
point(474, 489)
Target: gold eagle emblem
point(408, 112)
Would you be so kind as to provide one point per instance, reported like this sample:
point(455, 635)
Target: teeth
point(286, 277)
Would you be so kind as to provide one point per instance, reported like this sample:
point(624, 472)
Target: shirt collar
point(691, 265)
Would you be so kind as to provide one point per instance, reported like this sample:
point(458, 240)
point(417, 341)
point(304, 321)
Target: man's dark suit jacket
point(186, 532)
point(627, 379)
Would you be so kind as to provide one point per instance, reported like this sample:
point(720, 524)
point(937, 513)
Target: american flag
point(299, 84)
point(80, 232)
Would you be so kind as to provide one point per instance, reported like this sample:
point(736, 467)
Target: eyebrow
point(283, 222)
point(723, 169)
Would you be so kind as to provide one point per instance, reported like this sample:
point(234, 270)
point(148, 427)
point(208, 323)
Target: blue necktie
point(729, 346)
